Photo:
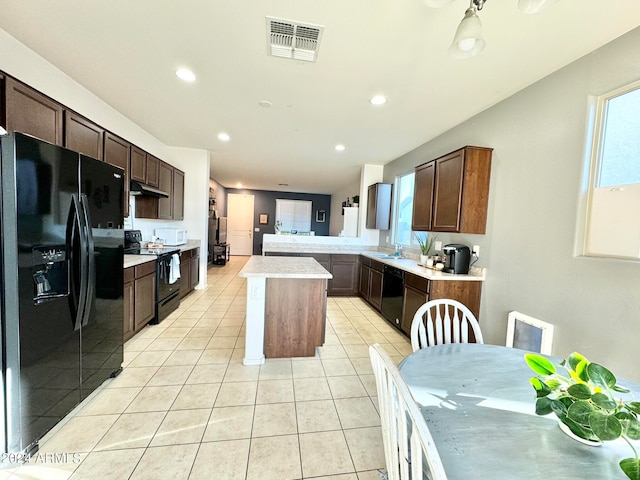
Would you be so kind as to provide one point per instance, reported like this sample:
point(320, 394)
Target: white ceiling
point(127, 51)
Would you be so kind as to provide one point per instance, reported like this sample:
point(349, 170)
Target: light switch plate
point(437, 245)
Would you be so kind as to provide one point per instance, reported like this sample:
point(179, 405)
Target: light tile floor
point(186, 408)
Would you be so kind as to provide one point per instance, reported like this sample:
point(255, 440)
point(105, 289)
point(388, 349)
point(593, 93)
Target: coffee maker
point(457, 259)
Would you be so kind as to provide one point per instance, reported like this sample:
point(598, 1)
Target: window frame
point(596, 128)
point(396, 211)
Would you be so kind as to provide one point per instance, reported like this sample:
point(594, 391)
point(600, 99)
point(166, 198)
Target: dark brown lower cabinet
point(139, 297)
point(418, 290)
point(295, 313)
point(370, 282)
point(344, 268)
point(189, 270)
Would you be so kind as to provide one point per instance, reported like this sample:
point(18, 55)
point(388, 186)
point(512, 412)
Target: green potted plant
point(584, 402)
point(425, 242)
point(356, 200)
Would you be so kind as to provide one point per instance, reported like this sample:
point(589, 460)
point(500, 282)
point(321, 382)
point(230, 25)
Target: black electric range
point(167, 273)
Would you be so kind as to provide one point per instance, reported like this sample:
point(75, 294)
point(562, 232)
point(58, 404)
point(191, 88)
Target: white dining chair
point(409, 449)
point(443, 321)
point(529, 333)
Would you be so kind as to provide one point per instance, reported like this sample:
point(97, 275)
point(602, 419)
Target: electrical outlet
point(387, 239)
point(476, 250)
point(437, 245)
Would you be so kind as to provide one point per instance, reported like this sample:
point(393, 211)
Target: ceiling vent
point(288, 39)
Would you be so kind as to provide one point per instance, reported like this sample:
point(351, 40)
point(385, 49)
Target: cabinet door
point(344, 269)
point(194, 271)
point(423, 197)
point(129, 317)
point(165, 205)
point(145, 300)
point(153, 171)
point(118, 152)
point(177, 196)
point(185, 273)
point(447, 197)
point(138, 164)
point(465, 292)
point(375, 288)
point(83, 136)
point(364, 282)
point(29, 111)
point(413, 299)
point(379, 206)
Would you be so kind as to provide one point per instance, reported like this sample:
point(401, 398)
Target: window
point(403, 209)
point(293, 215)
point(613, 203)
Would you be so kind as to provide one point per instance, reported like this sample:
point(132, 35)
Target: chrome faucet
point(398, 251)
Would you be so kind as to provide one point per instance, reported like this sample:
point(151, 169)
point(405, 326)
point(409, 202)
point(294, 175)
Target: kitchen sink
point(385, 255)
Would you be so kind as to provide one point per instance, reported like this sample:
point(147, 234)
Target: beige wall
point(539, 139)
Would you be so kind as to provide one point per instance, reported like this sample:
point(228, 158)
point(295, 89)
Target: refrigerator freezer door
point(102, 194)
point(42, 350)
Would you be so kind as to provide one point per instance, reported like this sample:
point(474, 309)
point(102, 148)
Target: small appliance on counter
point(457, 258)
point(171, 236)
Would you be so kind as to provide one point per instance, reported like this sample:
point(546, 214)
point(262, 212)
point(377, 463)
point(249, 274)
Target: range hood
point(138, 188)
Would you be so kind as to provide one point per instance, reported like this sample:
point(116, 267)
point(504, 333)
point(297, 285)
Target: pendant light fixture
point(468, 41)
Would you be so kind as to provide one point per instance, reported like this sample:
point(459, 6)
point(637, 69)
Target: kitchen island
point(286, 307)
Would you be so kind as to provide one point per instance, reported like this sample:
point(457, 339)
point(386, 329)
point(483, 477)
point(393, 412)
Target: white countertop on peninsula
point(133, 260)
point(283, 267)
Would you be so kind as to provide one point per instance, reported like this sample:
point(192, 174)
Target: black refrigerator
point(62, 242)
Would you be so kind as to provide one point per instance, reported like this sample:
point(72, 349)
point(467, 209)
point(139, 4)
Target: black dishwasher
point(392, 295)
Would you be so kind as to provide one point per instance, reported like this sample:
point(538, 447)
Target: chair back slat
point(409, 449)
point(443, 321)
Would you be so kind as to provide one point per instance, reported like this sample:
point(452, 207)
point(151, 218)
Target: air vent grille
point(294, 40)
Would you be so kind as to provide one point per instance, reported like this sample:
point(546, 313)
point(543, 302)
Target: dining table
point(480, 409)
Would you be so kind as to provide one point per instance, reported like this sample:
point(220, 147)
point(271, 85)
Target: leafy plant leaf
point(539, 364)
point(620, 388)
point(605, 426)
point(580, 391)
point(541, 388)
point(552, 382)
point(560, 406)
point(601, 376)
point(630, 425)
point(633, 406)
point(578, 429)
point(581, 370)
point(574, 359)
point(543, 406)
point(631, 468)
point(579, 412)
point(602, 401)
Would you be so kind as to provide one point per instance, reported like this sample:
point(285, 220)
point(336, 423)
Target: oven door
point(167, 277)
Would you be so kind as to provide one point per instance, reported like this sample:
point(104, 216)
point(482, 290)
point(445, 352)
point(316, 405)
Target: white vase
point(423, 260)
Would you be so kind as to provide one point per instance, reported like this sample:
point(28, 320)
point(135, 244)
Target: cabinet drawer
point(145, 269)
point(365, 260)
point(379, 266)
point(185, 255)
point(419, 283)
point(129, 274)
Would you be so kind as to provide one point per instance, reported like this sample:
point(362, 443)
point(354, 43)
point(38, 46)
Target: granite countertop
point(133, 260)
point(410, 265)
point(190, 245)
point(283, 267)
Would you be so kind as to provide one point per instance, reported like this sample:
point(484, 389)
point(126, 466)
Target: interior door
point(240, 223)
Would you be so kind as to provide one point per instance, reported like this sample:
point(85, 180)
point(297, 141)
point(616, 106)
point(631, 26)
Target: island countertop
point(283, 267)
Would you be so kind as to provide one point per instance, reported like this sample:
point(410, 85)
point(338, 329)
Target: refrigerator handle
point(81, 297)
point(91, 261)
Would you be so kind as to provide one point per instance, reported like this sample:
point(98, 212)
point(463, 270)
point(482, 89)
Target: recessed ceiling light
point(378, 100)
point(239, 185)
point(223, 137)
point(340, 148)
point(265, 103)
point(186, 75)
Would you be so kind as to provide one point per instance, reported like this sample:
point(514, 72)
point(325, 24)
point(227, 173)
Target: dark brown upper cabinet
point(165, 205)
point(28, 111)
point(138, 164)
point(117, 151)
point(81, 135)
point(452, 192)
point(379, 206)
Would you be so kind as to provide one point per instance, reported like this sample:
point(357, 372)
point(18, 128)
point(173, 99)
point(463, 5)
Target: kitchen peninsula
point(286, 307)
